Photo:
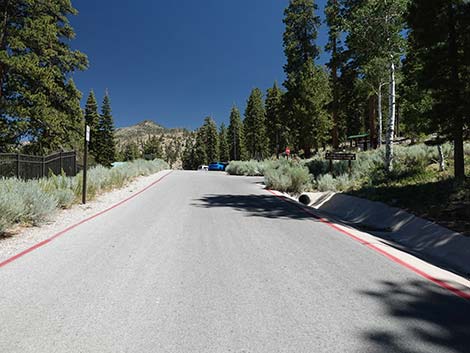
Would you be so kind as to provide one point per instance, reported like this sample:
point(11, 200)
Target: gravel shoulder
point(21, 238)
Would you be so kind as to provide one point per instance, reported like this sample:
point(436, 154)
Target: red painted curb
point(391, 257)
point(62, 232)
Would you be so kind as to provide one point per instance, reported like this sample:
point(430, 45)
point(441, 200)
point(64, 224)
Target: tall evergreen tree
point(210, 137)
point(236, 136)
point(172, 152)
point(334, 22)
point(275, 124)
point(131, 151)
point(416, 100)
point(107, 146)
point(300, 35)
point(352, 100)
point(310, 109)
point(440, 47)
point(152, 148)
point(301, 52)
point(200, 156)
point(223, 144)
point(92, 119)
point(256, 140)
point(188, 154)
point(38, 99)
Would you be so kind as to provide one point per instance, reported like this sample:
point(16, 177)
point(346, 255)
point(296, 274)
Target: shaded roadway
point(204, 262)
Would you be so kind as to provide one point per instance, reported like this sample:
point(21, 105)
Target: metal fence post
point(18, 165)
point(75, 168)
point(60, 162)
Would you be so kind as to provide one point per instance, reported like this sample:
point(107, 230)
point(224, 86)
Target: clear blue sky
point(176, 62)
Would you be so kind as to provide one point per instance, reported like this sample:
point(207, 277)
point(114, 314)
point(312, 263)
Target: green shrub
point(61, 188)
point(34, 201)
point(411, 165)
point(24, 201)
point(65, 197)
point(39, 205)
point(286, 176)
point(326, 182)
point(344, 182)
point(246, 168)
point(11, 204)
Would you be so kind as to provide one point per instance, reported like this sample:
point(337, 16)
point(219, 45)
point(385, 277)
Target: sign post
point(85, 163)
point(340, 156)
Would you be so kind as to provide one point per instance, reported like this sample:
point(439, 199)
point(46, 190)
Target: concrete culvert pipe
point(305, 199)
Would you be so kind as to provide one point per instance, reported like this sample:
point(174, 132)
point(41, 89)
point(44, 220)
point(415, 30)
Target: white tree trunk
point(379, 113)
point(442, 161)
point(391, 121)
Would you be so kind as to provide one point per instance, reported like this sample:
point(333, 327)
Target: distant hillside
point(143, 130)
point(146, 129)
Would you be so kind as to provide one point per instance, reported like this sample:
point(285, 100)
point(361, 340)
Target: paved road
point(205, 262)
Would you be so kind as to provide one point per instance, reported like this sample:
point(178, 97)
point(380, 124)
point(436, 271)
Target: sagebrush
point(34, 201)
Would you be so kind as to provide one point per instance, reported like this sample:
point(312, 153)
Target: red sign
point(288, 151)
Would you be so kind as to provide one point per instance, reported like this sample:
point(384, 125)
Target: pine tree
point(172, 152)
point(131, 151)
point(8, 137)
point(92, 119)
point(275, 125)
point(440, 45)
point(334, 22)
point(416, 101)
point(38, 99)
point(200, 149)
point(301, 51)
point(211, 139)
point(152, 148)
point(106, 145)
point(310, 109)
point(300, 35)
point(236, 136)
point(188, 154)
point(256, 140)
point(352, 100)
point(223, 144)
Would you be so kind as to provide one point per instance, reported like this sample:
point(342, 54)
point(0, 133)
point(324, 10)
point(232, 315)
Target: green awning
point(357, 136)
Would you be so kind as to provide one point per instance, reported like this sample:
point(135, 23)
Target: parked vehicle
point(203, 168)
point(217, 166)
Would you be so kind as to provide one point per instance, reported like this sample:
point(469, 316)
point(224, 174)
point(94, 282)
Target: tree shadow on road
point(254, 205)
point(436, 318)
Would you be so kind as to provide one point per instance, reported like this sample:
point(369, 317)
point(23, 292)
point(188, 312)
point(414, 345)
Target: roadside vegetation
point(416, 184)
point(35, 201)
point(284, 175)
point(413, 69)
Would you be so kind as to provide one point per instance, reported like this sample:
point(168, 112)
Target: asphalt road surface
point(204, 262)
